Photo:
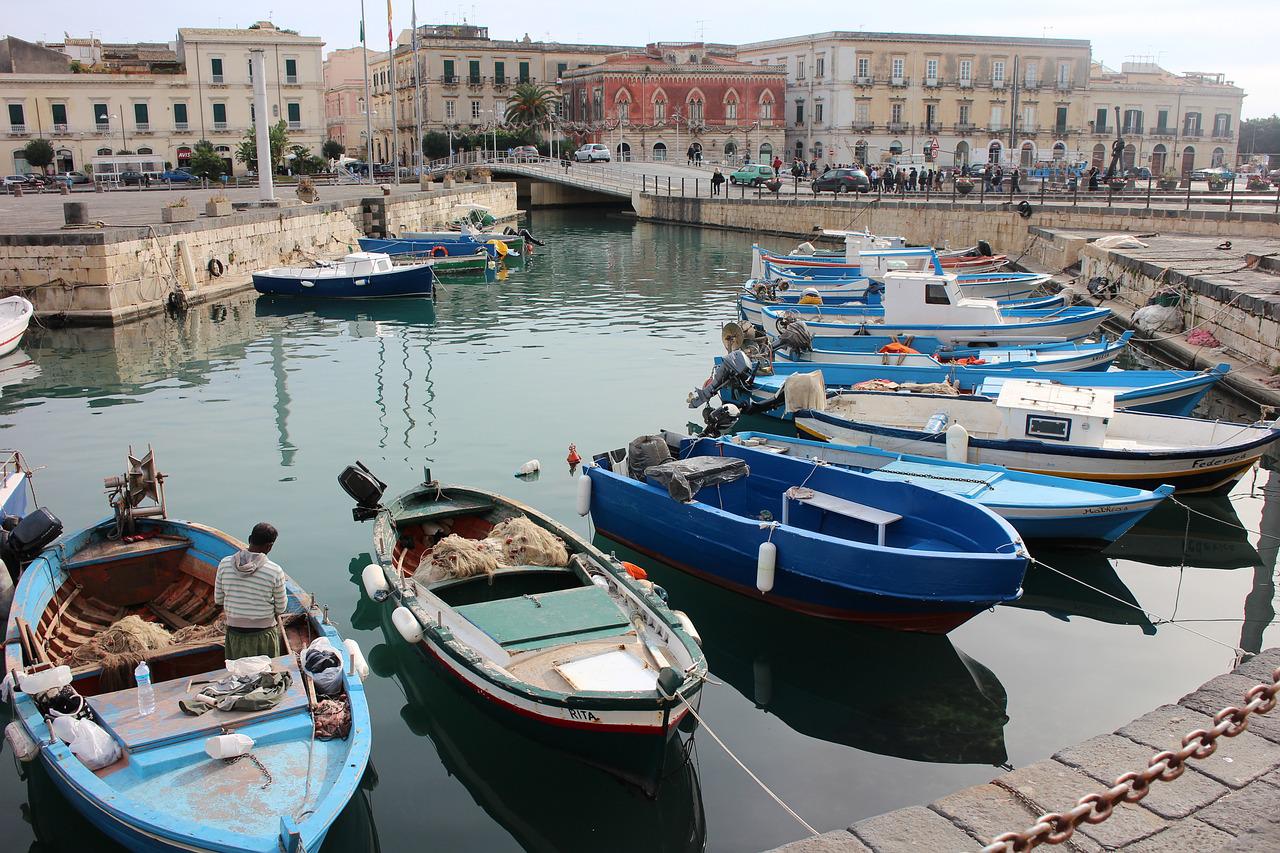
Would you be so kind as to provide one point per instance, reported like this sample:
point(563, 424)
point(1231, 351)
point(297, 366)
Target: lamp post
point(124, 142)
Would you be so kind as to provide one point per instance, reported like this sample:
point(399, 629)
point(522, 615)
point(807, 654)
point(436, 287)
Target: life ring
point(500, 247)
point(439, 252)
point(215, 267)
point(1024, 209)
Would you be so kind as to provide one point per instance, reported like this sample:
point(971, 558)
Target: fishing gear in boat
point(524, 234)
point(126, 493)
point(736, 370)
point(794, 335)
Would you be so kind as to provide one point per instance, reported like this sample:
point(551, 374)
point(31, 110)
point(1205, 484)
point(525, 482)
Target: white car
point(592, 152)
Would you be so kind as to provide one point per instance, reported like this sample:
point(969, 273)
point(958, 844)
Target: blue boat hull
point(426, 248)
point(889, 587)
point(417, 281)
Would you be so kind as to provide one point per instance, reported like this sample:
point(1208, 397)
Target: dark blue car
point(176, 176)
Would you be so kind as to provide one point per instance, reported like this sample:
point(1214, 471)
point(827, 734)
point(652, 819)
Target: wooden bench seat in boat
point(111, 550)
point(840, 506)
point(536, 621)
point(118, 711)
point(449, 507)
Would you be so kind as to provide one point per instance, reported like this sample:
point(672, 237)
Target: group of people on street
point(902, 180)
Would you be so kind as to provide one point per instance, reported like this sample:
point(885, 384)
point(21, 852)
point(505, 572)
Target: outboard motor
point(736, 368)
point(719, 421)
point(794, 335)
point(984, 248)
point(21, 541)
point(364, 488)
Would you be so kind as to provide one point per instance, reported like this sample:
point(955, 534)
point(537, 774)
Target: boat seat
point(879, 518)
point(537, 621)
point(110, 550)
point(449, 507)
point(118, 711)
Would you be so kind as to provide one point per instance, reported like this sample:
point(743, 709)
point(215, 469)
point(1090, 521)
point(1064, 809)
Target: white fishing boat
point(15, 316)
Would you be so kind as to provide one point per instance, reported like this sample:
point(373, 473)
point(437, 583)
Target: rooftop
point(845, 35)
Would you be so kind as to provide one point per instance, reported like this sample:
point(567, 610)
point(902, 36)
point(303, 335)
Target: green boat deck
point(538, 621)
point(409, 513)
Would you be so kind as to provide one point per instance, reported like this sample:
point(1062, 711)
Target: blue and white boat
point(756, 294)
point(431, 247)
point(359, 275)
point(150, 782)
point(873, 266)
point(1048, 429)
point(817, 539)
point(1040, 507)
point(1170, 392)
point(1075, 356)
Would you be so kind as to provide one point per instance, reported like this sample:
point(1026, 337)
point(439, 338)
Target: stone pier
point(1228, 801)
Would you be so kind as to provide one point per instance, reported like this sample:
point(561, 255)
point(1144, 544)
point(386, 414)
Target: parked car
point(592, 152)
point(1222, 173)
point(1140, 173)
point(130, 177)
point(73, 177)
point(11, 181)
point(842, 181)
point(176, 176)
point(526, 152)
point(753, 174)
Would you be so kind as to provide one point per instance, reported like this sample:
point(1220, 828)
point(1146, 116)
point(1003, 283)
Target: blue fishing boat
point(431, 247)
point(757, 294)
point(1039, 506)
point(284, 768)
point(1169, 392)
point(359, 275)
point(1073, 356)
point(986, 285)
point(817, 539)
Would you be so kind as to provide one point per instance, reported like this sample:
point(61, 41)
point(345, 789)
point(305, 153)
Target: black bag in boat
point(685, 477)
point(645, 452)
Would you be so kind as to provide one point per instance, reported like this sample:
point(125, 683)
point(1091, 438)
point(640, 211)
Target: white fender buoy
point(359, 665)
point(766, 562)
point(687, 625)
point(375, 582)
point(228, 746)
point(957, 443)
point(533, 466)
point(584, 495)
point(407, 625)
point(21, 744)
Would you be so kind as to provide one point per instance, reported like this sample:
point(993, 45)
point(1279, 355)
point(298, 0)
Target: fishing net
point(457, 557)
point(521, 542)
point(119, 648)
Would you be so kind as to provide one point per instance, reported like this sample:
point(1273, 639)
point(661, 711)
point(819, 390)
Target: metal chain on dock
point(1058, 827)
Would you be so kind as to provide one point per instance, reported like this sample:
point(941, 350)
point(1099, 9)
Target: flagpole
point(395, 129)
point(368, 101)
point(417, 98)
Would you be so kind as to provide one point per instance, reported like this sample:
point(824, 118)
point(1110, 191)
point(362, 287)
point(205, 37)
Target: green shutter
point(295, 112)
point(448, 70)
point(291, 67)
point(219, 112)
point(499, 72)
point(180, 113)
point(473, 71)
point(524, 72)
point(15, 115)
point(140, 114)
point(59, 113)
point(215, 66)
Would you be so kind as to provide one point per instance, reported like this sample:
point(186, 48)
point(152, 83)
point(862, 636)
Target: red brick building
point(657, 103)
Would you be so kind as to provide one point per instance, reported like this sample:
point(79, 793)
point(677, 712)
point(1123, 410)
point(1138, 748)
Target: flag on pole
point(390, 38)
point(362, 30)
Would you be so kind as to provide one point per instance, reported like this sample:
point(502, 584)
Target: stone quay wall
point(109, 275)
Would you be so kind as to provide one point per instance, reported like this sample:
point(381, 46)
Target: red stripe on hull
point(654, 731)
point(925, 623)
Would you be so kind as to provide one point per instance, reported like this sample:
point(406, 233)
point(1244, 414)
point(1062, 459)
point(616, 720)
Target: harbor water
point(254, 405)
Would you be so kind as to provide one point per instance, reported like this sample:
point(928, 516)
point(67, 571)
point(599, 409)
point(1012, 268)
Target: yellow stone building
point(93, 99)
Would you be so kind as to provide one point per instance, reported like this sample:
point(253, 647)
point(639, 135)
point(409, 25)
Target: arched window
point(694, 106)
point(962, 154)
point(659, 106)
point(104, 152)
point(1027, 154)
point(1159, 160)
point(1216, 158)
point(1059, 150)
point(145, 151)
point(1099, 155)
point(895, 147)
point(766, 152)
point(817, 150)
point(622, 106)
point(993, 151)
point(730, 151)
point(1188, 162)
point(860, 152)
point(731, 106)
point(624, 152)
point(799, 149)
point(659, 151)
point(766, 106)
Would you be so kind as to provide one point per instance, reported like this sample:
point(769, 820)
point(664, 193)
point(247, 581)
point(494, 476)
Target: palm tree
point(530, 105)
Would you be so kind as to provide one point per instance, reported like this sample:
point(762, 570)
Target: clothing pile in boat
point(514, 542)
point(238, 693)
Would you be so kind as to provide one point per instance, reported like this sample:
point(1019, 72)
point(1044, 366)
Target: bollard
point(17, 190)
point(64, 188)
point(75, 213)
point(682, 188)
point(1149, 191)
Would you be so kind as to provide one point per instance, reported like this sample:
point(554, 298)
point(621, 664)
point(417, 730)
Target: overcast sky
point(1235, 37)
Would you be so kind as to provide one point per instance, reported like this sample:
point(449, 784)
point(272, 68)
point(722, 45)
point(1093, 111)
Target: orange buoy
point(573, 458)
point(635, 571)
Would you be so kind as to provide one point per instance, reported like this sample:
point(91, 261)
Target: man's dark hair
point(263, 534)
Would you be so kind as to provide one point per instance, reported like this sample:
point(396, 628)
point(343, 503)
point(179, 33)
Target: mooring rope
point(1223, 520)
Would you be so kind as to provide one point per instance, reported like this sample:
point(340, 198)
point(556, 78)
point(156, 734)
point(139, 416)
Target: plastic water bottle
point(936, 423)
point(146, 695)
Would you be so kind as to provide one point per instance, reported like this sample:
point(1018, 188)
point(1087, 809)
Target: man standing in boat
point(250, 589)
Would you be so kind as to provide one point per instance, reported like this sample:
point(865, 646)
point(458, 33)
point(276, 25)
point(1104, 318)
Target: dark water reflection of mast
point(1259, 604)
point(287, 448)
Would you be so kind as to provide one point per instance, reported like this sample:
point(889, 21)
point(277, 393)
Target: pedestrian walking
point(777, 166)
point(1013, 181)
point(717, 179)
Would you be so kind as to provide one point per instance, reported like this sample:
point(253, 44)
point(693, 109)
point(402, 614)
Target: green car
point(754, 174)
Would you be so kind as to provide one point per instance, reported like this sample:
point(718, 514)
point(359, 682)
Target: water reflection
point(844, 683)
point(546, 799)
point(1212, 537)
point(1092, 590)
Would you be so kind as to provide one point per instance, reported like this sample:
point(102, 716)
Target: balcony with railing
point(899, 82)
point(1223, 134)
point(862, 127)
point(450, 80)
point(1063, 85)
point(61, 127)
point(17, 130)
point(1131, 130)
point(475, 82)
point(965, 83)
point(864, 80)
point(966, 128)
point(1164, 132)
point(997, 82)
point(102, 127)
point(1193, 132)
point(291, 79)
point(1031, 83)
point(295, 125)
point(142, 127)
point(932, 82)
point(181, 126)
point(897, 127)
point(217, 79)
point(221, 126)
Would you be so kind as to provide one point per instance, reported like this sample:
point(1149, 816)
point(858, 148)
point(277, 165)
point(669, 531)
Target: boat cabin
point(932, 299)
point(366, 263)
point(1043, 411)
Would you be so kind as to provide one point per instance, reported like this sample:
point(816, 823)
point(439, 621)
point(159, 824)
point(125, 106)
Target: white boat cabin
point(365, 263)
point(927, 299)
point(874, 263)
point(1043, 411)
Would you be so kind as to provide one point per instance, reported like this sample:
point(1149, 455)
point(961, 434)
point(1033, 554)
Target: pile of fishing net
point(514, 542)
point(120, 647)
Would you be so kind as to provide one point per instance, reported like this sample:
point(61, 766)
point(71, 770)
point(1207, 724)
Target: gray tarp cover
point(683, 478)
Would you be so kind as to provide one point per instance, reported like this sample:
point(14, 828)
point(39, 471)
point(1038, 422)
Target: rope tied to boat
point(702, 722)
point(256, 763)
point(1058, 827)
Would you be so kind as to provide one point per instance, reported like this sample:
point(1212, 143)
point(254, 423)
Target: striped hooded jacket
point(250, 589)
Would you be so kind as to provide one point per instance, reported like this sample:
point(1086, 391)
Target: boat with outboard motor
point(813, 538)
point(1048, 429)
point(530, 615)
point(359, 275)
point(1076, 356)
point(140, 587)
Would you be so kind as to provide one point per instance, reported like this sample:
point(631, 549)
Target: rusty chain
point(1058, 827)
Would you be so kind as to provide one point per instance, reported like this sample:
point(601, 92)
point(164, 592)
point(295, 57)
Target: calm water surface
point(255, 405)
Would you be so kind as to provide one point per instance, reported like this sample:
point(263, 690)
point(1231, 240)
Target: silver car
point(592, 152)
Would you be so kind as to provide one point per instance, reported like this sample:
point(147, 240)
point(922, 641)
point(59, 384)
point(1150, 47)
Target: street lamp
point(124, 142)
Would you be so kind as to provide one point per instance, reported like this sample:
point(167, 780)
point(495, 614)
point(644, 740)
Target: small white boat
point(15, 316)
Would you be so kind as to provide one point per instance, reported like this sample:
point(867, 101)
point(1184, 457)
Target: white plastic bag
point(1158, 318)
point(250, 667)
point(35, 683)
point(328, 681)
point(89, 743)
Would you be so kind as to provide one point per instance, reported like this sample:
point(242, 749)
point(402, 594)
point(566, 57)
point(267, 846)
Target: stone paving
point(1229, 801)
